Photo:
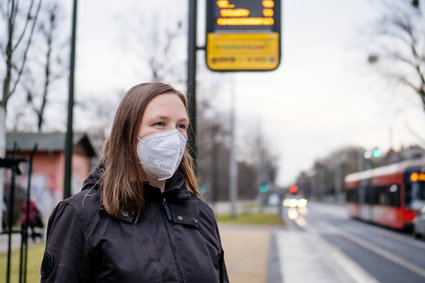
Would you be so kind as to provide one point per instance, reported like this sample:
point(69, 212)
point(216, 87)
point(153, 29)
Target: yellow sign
point(243, 51)
point(243, 35)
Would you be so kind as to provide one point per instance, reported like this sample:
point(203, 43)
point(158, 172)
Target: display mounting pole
point(191, 79)
point(69, 130)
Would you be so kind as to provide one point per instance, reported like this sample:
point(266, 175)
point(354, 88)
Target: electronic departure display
point(243, 35)
point(417, 176)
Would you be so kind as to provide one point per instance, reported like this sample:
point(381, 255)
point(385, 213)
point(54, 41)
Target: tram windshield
point(415, 191)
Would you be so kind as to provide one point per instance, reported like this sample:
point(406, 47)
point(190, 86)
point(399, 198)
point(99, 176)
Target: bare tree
point(213, 138)
point(100, 113)
point(400, 37)
point(51, 65)
point(18, 21)
point(20, 25)
point(157, 40)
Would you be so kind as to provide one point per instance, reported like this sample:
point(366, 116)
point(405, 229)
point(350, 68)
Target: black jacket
point(177, 239)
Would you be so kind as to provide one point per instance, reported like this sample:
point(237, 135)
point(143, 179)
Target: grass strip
point(35, 256)
point(250, 219)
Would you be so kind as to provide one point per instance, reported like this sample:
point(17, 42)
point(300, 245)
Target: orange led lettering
point(245, 21)
point(414, 177)
point(224, 4)
point(234, 13)
point(268, 4)
point(268, 13)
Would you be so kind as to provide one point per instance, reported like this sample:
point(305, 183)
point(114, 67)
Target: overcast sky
point(322, 97)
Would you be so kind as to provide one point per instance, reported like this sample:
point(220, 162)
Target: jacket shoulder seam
point(80, 218)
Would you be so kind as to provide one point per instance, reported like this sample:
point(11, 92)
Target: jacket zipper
point(169, 217)
point(167, 210)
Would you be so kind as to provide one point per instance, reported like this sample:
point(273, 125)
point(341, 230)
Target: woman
point(139, 217)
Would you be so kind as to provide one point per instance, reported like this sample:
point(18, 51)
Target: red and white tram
point(390, 195)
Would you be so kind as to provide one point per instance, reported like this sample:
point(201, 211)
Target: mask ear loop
point(181, 151)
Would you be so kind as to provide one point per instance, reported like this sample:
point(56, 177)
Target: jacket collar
point(175, 191)
point(175, 187)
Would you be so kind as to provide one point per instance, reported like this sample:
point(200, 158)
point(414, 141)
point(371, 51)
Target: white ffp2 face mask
point(161, 153)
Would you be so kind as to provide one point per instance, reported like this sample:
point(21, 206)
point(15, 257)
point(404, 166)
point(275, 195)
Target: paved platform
point(4, 241)
point(264, 254)
point(246, 251)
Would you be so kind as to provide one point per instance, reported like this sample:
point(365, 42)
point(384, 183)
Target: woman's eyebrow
point(161, 117)
point(183, 120)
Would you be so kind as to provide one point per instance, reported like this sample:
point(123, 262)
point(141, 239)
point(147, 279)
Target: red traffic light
point(293, 189)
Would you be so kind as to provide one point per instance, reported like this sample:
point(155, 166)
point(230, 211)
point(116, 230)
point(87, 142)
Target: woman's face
point(165, 112)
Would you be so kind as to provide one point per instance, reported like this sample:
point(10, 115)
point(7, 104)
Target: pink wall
point(47, 177)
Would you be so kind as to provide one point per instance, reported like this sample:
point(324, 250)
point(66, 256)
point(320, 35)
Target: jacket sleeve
point(66, 257)
point(224, 278)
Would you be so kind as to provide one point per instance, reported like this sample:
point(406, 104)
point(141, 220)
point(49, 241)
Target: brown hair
point(121, 187)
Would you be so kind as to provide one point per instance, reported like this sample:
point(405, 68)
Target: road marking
point(306, 257)
point(338, 212)
point(348, 266)
point(376, 250)
point(401, 238)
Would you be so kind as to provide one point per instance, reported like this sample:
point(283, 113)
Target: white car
point(419, 224)
point(295, 202)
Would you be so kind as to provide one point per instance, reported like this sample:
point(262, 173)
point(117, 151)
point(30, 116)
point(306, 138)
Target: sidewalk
point(4, 239)
point(246, 251)
point(277, 254)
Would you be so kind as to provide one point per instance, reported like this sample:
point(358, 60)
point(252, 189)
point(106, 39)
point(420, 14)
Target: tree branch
point(413, 132)
point(404, 81)
point(24, 59)
point(28, 19)
point(400, 58)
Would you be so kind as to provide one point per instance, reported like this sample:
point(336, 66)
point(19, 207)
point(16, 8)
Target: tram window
point(382, 195)
point(415, 194)
point(348, 196)
point(394, 195)
point(370, 195)
point(421, 193)
point(352, 196)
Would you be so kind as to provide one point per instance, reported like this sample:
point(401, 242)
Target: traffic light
point(376, 152)
point(293, 189)
point(264, 188)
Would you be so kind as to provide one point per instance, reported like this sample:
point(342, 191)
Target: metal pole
point(338, 181)
point(191, 78)
point(10, 213)
point(69, 130)
point(214, 165)
point(34, 150)
point(233, 192)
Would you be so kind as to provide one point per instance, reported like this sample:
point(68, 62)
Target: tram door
point(365, 206)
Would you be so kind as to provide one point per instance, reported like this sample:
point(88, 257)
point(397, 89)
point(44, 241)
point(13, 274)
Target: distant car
point(419, 224)
point(295, 202)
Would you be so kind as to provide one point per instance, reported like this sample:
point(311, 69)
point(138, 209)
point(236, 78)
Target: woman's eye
point(182, 126)
point(159, 124)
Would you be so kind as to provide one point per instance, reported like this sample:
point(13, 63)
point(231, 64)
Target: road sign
point(243, 35)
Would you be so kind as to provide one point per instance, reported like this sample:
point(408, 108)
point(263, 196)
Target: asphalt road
point(350, 250)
